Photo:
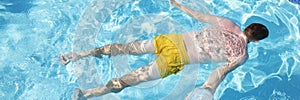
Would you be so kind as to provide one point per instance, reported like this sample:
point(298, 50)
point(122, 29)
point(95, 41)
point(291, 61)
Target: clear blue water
point(34, 32)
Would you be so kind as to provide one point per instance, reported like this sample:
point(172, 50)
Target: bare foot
point(66, 58)
point(78, 95)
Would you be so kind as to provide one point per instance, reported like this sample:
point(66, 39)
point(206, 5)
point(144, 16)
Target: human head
point(256, 32)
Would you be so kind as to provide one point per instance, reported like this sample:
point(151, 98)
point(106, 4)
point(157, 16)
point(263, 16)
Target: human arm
point(208, 89)
point(208, 18)
point(222, 22)
point(220, 73)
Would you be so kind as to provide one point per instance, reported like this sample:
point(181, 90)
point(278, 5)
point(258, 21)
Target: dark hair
point(256, 31)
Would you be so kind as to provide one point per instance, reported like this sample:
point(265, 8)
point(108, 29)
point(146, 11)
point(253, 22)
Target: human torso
point(213, 45)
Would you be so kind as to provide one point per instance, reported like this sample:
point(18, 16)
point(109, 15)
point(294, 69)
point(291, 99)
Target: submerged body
point(222, 42)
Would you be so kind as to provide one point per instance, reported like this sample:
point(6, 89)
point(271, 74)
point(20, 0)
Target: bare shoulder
point(239, 60)
point(228, 25)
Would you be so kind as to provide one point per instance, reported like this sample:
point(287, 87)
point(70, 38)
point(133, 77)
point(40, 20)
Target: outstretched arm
point(219, 74)
point(197, 15)
point(222, 22)
point(208, 89)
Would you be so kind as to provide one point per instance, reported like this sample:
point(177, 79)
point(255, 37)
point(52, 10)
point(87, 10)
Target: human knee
point(116, 85)
point(106, 50)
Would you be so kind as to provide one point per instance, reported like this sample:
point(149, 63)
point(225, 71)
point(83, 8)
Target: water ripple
point(264, 56)
point(275, 57)
point(51, 27)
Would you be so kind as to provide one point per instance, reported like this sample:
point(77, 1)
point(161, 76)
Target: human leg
point(133, 48)
point(143, 74)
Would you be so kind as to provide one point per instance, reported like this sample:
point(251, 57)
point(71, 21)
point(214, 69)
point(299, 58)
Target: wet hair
point(256, 31)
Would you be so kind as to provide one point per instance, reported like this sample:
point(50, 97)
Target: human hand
point(200, 94)
point(174, 3)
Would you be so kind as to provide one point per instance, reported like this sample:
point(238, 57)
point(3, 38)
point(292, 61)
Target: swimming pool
point(34, 32)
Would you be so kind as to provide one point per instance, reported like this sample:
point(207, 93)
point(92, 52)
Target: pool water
point(34, 32)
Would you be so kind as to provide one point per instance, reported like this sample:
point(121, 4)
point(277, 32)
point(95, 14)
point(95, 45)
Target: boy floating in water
point(223, 41)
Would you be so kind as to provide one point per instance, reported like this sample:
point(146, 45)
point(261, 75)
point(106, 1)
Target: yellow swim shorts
point(171, 54)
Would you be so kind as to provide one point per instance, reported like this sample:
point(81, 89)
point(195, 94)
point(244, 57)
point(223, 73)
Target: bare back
point(218, 43)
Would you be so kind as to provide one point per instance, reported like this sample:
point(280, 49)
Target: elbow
point(208, 87)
